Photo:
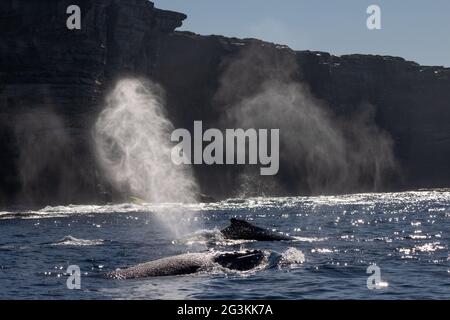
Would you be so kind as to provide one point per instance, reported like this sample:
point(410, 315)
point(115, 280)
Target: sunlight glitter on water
point(414, 199)
point(339, 237)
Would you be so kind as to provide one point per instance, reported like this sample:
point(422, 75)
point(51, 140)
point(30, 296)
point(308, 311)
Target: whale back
point(190, 263)
point(243, 230)
point(171, 266)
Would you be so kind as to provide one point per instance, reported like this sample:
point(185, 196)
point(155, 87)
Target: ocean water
point(337, 238)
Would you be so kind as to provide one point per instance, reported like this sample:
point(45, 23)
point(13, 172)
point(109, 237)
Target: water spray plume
point(132, 138)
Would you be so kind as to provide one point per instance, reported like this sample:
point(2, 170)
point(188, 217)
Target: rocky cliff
point(409, 102)
point(53, 83)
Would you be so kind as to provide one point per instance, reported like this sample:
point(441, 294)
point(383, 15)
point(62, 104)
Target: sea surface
point(337, 238)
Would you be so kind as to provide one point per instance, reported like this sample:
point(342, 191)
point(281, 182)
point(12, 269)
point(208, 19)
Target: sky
point(416, 30)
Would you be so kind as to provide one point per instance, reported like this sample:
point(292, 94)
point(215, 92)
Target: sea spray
point(132, 138)
point(321, 151)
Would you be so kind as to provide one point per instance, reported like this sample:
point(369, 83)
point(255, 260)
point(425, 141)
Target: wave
point(309, 239)
point(213, 237)
point(209, 238)
point(72, 241)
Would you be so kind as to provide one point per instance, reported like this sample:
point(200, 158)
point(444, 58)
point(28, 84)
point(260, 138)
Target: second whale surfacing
point(190, 263)
point(243, 230)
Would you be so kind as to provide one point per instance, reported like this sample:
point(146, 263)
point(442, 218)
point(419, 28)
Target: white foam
point(292, 258)
point(72, 241)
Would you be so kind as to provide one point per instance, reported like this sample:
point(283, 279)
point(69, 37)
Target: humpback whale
point(194, 262)
point(243, 230)
point(191, 263)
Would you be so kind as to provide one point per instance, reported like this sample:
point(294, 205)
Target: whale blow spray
point(132, 138)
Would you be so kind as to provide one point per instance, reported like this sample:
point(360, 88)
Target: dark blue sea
point(337, 238)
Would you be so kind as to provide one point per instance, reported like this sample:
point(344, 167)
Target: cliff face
point(53, 82)
point(411, 103)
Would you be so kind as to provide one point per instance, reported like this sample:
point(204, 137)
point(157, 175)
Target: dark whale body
point(194, 262)
point(243, 230)
point(190, 263)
